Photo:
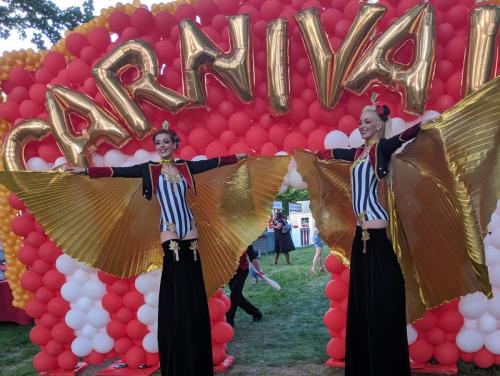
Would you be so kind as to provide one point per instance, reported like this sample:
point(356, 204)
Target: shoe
point(312, 272)
point(257, 317)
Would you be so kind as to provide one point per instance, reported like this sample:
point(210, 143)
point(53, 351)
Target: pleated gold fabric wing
point(445, 186)
point(329, 188)
point(232, 207)
point(107, 224)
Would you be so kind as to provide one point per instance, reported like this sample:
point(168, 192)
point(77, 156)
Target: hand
point(241, 156)
point(75, 170)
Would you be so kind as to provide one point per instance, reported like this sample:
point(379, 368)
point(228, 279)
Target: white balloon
point(98, 160)
point(495, 239)
point(281, 152)
point(151, 299)
point(494, 224)
point(129, 162)
point(153, 328)
point(103, 343)
point(488, 240)
point(295, 180)
point(493, 306)
point(71, 292)
point(199, 158)
point(470, 324)
point(98, 317)
point(141, 156)
point(65, 264)
point(150, 343)
point(145, 283)
point(154, 157)
point(147, 315)
point(355, 139)
point(75, 319)
point(114, 158)
point(94, 289)
point(473, 306)
point(492, 256)
point(336, 139)
point(429, 115)
point(37, 164)
point(81, 346)
point(398, 125)
point(80, 276)
point(470, 340)
point(89, 331)
point(59, 161)
point(487, 323)
point(411, 333)
point(492, 342)
point(85, 304)
point(494, 273)
point(292, 164)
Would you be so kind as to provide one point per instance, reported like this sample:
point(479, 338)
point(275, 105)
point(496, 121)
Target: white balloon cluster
point(148, 284)
point(411, 333)
point(482, 316)
point(84, 291)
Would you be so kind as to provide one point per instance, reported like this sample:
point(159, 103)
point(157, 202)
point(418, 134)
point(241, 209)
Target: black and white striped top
point(364, 185)
point(175, 213)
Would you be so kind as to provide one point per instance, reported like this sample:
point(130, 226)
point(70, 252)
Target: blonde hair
point(387, 125)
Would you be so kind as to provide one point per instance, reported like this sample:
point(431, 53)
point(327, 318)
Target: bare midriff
point(374, 224)
point(169, 235)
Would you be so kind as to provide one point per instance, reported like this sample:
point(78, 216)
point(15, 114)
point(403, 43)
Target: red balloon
point(48, 320)
point(222, 332)
point(437, 89)
point(227, 302)
point(19, 94)
point(99, 38)
point(466, 357)
point(54, 62)
point(120, 287)
point(457, 15)
point(112, 302)
point(40, 335)
point(129, 33)
point(9, 110)
point(228, 138)
point(124, 315)
point(49, 252)
point(298, 111)
point(118, 21)
point(435, 336)
point(294, 140)
point(35, 308)
point(216, 124)
point(62, 333)
point(89, 55)
point(44, 362)
point(18, 76)
point(239, 123)
point(455, 50)
point(53, 348)
point(277, 134)
point(306, 126)
point(217, 309)
point(336, 290)
point(15, 202)
point(240, 147)
point(134, 357)
point(216, 149)
point(226, 109)
point(116, 329)
point(58, 306)
point(218, 354)
point(199, 138)
point(43, 75)
point(95, 358)
point(421, 351)
point(105, 278)
point(122, 345)
point(229, 7)
point(75, 42)
point(268, 149)
point(451, 321)
point(484, 359)
point(164, 22)
point(44, 294)
point(185, 11)
point(336, 348)
point(37, 93)
point(335, 319)
point(67, 360)
point(256, 137)
point(54, 280)
point(454, 85)
point(49, 153)
point(133, 300)
point(426, 323)
point(31, 281)
point(334, 265)
point(188, 152)
point(444, 102)
point(40, 267)
point(347, 124)
point(316, 140)
point(447, 353)
point(78, 71)
point(29, 109)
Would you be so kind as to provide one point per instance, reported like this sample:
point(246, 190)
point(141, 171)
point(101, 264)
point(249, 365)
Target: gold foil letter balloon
point(60, 101)
point(107, 74)
point(278, 85)
point(418, 23)
point(22, 134)
point(330, 69)
point(482, 46)
point(233, 68)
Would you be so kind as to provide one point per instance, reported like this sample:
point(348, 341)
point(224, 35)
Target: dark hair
point(383, 111)
point(173, 136)
point(280, 215)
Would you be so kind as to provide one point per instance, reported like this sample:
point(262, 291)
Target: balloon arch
point(258, 76)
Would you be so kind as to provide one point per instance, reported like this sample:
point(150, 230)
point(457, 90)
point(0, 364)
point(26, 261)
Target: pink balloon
point(43, 75)
point(268, 149)
point(228, 7)
point(199, 138)
point(75, 42)
point(240, 147)
point(99, 38)
point(118, 21)
point(164, 22)
point(19, 94)
point(216, 124)
point(239, 123)
point(277, 134)
point(188, 152)
point(316, 140)
point(15, 202)
point(143, 20)
point(9, 110)
point(22, 225)
point(294, 140)
point(226, 109)
point(18, 76)
point(270, 9)
point(256, 137)
point(129, 33)
point(29, 109)
point(216, 149)
point(421, 351)
point(37, 93)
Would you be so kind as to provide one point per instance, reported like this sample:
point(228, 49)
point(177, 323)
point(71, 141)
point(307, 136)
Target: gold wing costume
point(441, 192)
point(107, 224)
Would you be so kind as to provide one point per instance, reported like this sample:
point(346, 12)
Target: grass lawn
point(290, 340)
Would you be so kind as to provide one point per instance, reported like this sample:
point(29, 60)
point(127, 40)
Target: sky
point(14, 43)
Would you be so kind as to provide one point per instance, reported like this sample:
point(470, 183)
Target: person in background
point(252, 271)
point(237, 283)
point(282, 238)
point(318, 258)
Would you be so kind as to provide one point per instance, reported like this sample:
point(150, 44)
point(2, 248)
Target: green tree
point(41, 17)
point(292, 195)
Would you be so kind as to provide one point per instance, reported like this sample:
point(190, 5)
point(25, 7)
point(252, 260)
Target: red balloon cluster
point(437, 331)
point(122, 300)
point(46, 305)
point(222, 332)
point(335, 318)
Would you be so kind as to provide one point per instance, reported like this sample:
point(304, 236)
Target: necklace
point(170, 174)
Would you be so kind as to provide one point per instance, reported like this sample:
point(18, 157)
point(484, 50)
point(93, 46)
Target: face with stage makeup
point(370, 125)
point(166, 143)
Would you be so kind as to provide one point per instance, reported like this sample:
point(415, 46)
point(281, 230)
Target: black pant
point(237, 299)
point(184, 331)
